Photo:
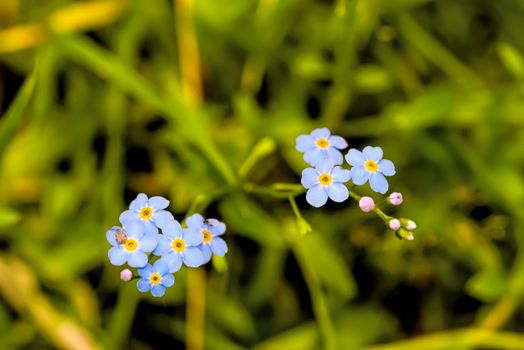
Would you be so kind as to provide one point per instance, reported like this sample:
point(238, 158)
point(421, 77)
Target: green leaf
point(245, 217)
point(330, 267)
point(8, 217)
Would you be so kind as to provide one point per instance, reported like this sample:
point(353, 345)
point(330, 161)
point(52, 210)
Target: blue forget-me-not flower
point(209, 229)
point(149, 211)
point(177, 245)
point(325, 181)
point(320, 146)
point(156, 278)
point(369, 165)
point(130, 244)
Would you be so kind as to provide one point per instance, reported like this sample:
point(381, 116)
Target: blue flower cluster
point(148, 230)
point(326, 179)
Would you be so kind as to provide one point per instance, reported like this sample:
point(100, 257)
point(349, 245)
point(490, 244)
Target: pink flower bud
point(411, 225)
point(366, 204)
point(395, 198)
point(394, 224)
point(126, 275)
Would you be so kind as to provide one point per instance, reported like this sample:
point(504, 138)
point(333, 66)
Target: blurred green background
point(200, 101)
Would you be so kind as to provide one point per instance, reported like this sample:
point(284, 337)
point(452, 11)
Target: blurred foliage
point(201, 101)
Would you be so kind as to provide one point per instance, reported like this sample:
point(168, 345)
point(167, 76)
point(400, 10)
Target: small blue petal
point(337, 192)
point(325, 167)
point(304, 143)
point(386, 167)
point(309, 177)
point(314, 156)
point(216, 227)
point(163, 246)
point(158, 290)
point(355, 158)
point(340, 175)
point(374, 153)
point(137, 259)
point(139, 202)
point(117, 256)
point(193, 257)
point(168, 280)
point(317, 196)
point(158, 203)
point(337, 142)
point(128, 216)
point(195, 221)
point(111, 235)
point(172, 230)
point(359, 175)
point(146, 270)
point(192, 237)
point(174, 261)
point(135, 229)
point(218, 246)
point(378, 183)
point(321, 132)
point(161, 267)
point(334, 155)
point(150, 227)
point(148, 243)
point(143, 285)
point(205, 249)
point(162, 218)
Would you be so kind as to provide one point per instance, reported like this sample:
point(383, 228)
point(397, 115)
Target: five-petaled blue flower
point(325, 181)
point(319, 146)
point(369, 165)
point(130, 245)
point(177, 245)
point(148, 211)
point(209, 229)
point(155, 278)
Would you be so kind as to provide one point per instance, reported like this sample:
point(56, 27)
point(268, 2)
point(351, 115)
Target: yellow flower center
point(325, 179)
point(322, 142)
point(179, 245)
point(131, 245)
point(146, 213)
point(371, 165)
point(155, 278)
point(207, 236)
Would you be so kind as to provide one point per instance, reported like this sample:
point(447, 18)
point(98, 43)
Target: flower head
point(148, 211)
point(156, 278)
point(325, 181)
point(369, 165)
point(320, 146)
point(395, 198)
point(130, 244)
point(177, 246)
point(210, 230)
point(366, 204)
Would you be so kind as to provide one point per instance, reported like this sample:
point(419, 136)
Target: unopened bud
point(126, 275)
point(402, 233)
point(395, 198)
point(394, 224)
point(367, 204)
point(408, 223)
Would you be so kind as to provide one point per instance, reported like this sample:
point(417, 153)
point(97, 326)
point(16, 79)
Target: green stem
point(318, 300)
point(277, 190)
